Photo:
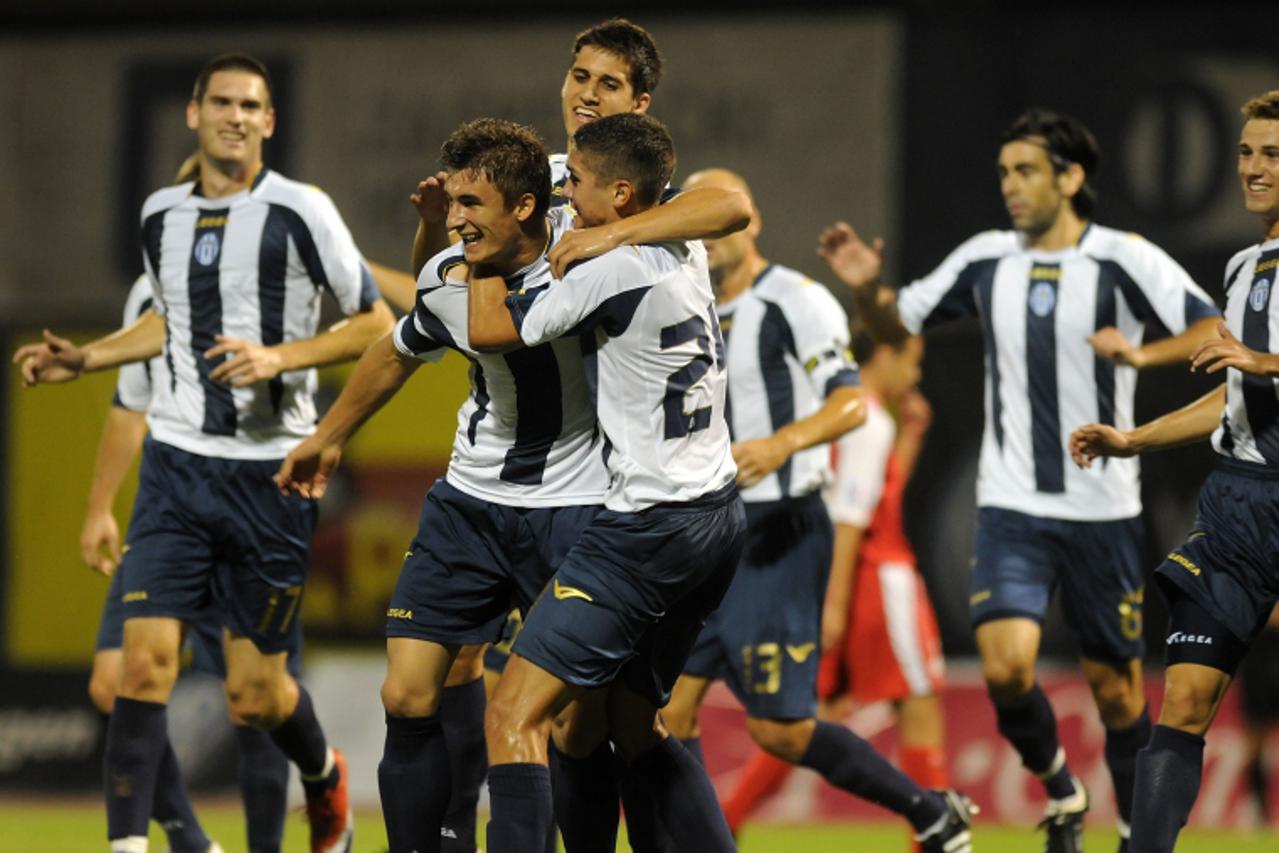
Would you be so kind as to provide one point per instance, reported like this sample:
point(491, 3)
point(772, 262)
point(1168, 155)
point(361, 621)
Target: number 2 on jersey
point(679, 422)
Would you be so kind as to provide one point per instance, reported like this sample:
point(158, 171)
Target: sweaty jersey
point(526, 434)
point(1250, 423)
point(786, 341)
point(134, 381)
point(655, 359)
point(1043, 380)
point(251, 266)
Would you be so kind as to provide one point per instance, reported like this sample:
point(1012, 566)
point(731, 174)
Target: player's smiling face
point(233, 118)
point(1259, 171)
point(490, 231)
point(598, 84)
point(1031, 187)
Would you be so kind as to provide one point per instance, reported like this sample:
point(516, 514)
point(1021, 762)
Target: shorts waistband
point(1244, 468)
point(721, 496)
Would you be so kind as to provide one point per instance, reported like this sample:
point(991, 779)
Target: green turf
point(31, 827)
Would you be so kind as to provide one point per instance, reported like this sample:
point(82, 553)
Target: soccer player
point(237, 261)
point(792, 387)
point(526, 475)
point(1222, 582)
point(1063, 304)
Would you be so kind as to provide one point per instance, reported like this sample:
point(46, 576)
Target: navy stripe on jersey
point(846, 378)
point(1137, 302)
point(680, 423)
point(305, 244)
point(368, 288)
point(1041, 378)
point(203, 286)
point(961, 299)
point(1259, 391)
point(481, 401)
point(152, 232)
point(1107, 314)
point(726, 326)
point(1227, 438)
point(142, 309)
point(983, 290)
point(776, 341)
point(1230, 279)
point(437, 333)
point(539, 417)
point(273, 265)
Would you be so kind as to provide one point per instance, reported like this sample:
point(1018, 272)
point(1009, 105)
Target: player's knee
point(408, 700)
point(256, 701)
point(1007, 678)
point(784, 739)
point(102, 692)
point(148, 670)
point(467, 666)
point(508, 723)
point(1119, 702)
point(578, 735)
point(1187, 706)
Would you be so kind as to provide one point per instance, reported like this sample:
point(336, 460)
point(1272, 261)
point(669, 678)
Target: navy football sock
point(644, 828)
point(1168, 774)
point(302, 740)
point(694, 747)
point(521, 800)
point(850, 763)
point(461, 715)
point(171, 806)
point(585, 798)
point(136, 741)
point(1028, 723)
point(1122, 746)
point(414, 779)
point(264, 788)
point(685, 799)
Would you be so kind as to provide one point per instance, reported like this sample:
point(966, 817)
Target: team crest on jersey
point(1260, 294)
point(206, 249)
point(1043, 296)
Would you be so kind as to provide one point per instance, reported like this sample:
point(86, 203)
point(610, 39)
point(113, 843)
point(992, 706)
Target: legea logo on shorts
point(1183, 637)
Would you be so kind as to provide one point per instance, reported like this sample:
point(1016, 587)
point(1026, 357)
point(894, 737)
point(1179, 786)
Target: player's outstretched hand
point(100, 542)
point(1229, 351)
point(430, 199)
point(1089, 442)
point(758, 458)
point(53, 360)
point(578, 245)
point(1110, 343)
point(306, 470)
point(856, 263)
point(249, 362)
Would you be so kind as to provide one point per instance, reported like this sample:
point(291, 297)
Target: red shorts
point(892, 649)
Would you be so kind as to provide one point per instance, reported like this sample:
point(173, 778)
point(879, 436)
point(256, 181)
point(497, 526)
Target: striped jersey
point(526, 434)
point(134, 381)
point(1250, 423)
point(1043, 380)
point(786, 342)
point(655, 362)
point(252, 266)
point(559, 177)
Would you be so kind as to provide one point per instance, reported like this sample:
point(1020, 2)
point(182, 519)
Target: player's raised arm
point(489, 324)
point(858, 264)
point(432, 235)
point(1191, 423)
point(59, 360)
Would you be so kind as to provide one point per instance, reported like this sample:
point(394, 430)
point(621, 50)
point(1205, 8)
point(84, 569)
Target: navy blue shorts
point(472, 561)
point(1229, 563)
point(1021, 559)
point(763, 639)
point(206, 530)
point(634, 592)
point(497, 654)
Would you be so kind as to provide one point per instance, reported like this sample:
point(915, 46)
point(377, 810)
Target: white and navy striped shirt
point(134, 381)
point(1250, 423)
point(1043, 380)
point(786, 339)
point(657, 367)
point(526, 434)
point(559, 177)
point(252, 266)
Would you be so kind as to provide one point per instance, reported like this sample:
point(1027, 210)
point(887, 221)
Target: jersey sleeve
point(821, 339)
point(334, 261)
point(422, 333)
point(133, 381)
point(950, 291)
point(1156, 287)
point(600, 293)
point(860, 465)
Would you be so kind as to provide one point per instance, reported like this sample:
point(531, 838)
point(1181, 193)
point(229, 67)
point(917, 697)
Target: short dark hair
point(230, 62)
point(511, 156)
point(630, 42)
point(1263, 107)
point(864, 344)
point(634, 146)
point(1067, 141)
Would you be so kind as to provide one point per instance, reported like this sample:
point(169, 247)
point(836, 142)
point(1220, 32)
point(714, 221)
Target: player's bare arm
point(398, 288)
point(378, 375)
point(1191, 423)
point(252, 362)
point(1217, 353)
point(859, 264)
point(122, 436)
point(843, 410)
point(839, 586)
point(1111, 344)
point(432, 235)
point(59, 360)
point(914, 417)
point(696, 214)
point(489, 324)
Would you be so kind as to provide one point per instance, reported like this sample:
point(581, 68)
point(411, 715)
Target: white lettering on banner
point(46, 734)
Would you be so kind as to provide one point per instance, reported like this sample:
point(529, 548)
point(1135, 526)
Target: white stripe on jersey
point(519, 441)
point(249, 266)
point(1043, 380)
point(786, 340)
point(861, 467)
point(658, 368)
point(1250, 423)
point(134, 381)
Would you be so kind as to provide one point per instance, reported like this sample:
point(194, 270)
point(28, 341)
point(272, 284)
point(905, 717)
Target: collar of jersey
point(1056, 254)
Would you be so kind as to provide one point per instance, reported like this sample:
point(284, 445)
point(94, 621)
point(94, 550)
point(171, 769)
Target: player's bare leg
point(1118, 691)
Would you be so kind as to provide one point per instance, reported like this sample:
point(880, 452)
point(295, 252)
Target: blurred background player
point(1223, 581)
point(792, 387)
point(1063, 303)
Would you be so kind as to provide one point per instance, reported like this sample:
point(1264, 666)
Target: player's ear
point(623, 192)
point(525, 206)
point(642, 102)
point(268, 127)
point(193, 114)
point(1071, 179)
